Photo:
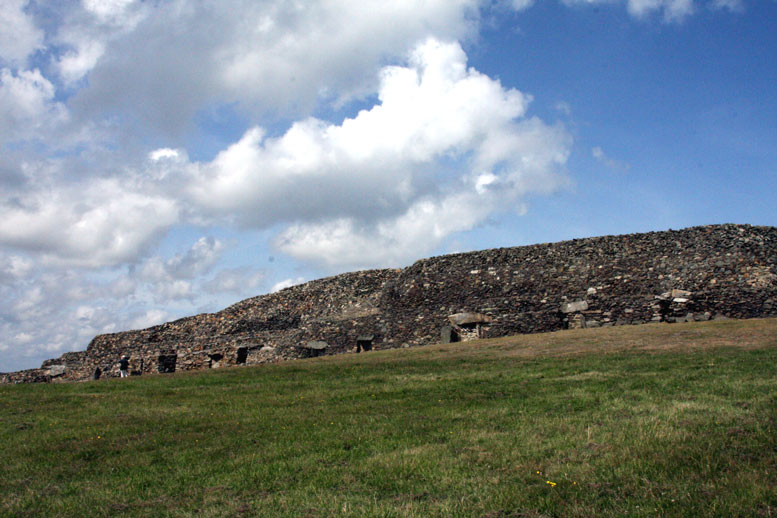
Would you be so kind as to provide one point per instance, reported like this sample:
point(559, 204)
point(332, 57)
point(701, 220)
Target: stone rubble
point(699, 273)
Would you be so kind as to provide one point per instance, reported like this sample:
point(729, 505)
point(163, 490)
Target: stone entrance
point(466, 326)
point(315, 348)
point(364, 343)
point(166, 363)
point(215, 360)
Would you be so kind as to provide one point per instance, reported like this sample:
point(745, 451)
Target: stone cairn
point(699, 273)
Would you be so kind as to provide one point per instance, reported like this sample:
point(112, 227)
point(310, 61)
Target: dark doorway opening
point(166, 363)
point(242, 355)
point(215, 360)
point(364, 343)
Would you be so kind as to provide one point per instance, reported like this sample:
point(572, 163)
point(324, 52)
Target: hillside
point(694, 274)
point(653, 420)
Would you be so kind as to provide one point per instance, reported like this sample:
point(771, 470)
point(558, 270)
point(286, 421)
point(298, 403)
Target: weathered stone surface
point(460, 319)
point(57, 370)
point(571, 307)
point(696, 273)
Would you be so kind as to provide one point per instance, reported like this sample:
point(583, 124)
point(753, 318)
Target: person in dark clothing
point(124, 366)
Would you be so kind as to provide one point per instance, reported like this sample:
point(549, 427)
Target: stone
point(409, 306)
point(460, 319)
point(572, 307)
point(57, 370)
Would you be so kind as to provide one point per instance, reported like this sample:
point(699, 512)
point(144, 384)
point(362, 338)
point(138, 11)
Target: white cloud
point(122, 287)
point(616, 165)
point(386, 174)
point(673, 10)
point(171, 279)
point(164, 153)
point(394, 242)
point(287, 283)
point(241, 281)
point(198, 260)
point(150, 318)
point(564, 108)
point(76, 63)
point(174, 290)
point(376, 162)
point(14, 267)
point(19, 36)
point(101, 223)
point(520, 5)
point(273, 56)
point(731, 5)
point(108, 9)
point(87, 33)
point(27, 104)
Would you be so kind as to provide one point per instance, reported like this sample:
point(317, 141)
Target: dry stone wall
point(692, 274)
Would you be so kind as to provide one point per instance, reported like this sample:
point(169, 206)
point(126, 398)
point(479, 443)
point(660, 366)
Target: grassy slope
point(674, 420)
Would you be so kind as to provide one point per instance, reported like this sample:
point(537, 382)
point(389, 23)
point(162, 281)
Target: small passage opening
point(242, 355)
point(215, 360)
point(166, 363)
point(364, 343)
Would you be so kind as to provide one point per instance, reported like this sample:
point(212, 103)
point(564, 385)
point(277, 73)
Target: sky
point(164, 158)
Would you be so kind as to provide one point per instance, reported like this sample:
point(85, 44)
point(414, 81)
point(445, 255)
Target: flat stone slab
point(460, 319)
point(572, 307)
point(57, 370)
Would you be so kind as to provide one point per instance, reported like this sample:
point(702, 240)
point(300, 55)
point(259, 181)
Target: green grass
point(657, 420)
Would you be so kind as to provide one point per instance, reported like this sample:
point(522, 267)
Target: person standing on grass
point(124, 366)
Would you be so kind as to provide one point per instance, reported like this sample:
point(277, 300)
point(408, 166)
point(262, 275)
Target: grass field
point(655, 420)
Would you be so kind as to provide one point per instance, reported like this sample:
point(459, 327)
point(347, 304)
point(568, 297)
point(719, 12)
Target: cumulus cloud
point(102, 223)
point(108, 10)
point(164, 153)
point(171, 279)
point(286, 283)
point(672, 10)
point(27, 104)
point(47, 309)
point(520, 5)
point(371, 164)
point(19, 37)
point(150, 318)
point(269, 57)
point(239, 281)
point(198, 260)
point(14, 267)
point(731, 5)
point(443, 142)
point(77, 62)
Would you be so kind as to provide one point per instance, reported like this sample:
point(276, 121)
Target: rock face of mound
point(693, 274)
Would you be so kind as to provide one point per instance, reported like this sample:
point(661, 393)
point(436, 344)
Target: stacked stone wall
point(692, 274)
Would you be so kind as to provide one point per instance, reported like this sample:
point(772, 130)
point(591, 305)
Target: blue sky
point(161, 159)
